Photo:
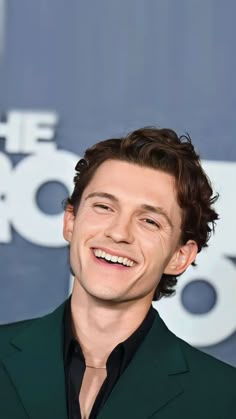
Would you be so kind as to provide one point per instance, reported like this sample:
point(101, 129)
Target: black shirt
point(118, 360)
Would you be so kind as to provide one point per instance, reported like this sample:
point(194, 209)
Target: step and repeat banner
point(73, 73)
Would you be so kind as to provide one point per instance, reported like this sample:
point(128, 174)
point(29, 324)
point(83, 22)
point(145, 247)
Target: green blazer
point(166, 379)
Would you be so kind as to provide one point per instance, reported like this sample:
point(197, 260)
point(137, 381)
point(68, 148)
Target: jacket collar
point(42, 394)
point(152, 379)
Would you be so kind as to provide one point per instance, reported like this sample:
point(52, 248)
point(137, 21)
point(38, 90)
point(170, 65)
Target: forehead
point(134, 183)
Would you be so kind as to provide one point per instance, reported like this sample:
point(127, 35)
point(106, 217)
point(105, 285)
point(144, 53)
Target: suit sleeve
point(230, 410)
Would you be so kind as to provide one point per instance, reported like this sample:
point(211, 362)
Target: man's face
point(126, 232)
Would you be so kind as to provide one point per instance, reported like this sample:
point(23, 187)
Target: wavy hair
point(164, 150)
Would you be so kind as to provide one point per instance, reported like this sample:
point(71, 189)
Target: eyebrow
point(102, 195)
point(159, 211)
point(146, 207)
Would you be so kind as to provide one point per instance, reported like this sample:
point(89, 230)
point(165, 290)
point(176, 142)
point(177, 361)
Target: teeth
point(116, 259)
point(125, 260)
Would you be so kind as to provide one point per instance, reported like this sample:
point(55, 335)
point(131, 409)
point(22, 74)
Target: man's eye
point(151, 222)
point(102, 206)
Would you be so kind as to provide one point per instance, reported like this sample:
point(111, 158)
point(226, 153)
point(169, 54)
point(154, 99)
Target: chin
point(105, 295)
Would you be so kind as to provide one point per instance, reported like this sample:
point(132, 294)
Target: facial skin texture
point(129, 211)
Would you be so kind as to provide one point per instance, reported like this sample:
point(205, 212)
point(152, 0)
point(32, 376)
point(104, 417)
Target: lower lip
point(109, 265)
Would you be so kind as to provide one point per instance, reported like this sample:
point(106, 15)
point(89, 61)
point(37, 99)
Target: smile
point(113, 258)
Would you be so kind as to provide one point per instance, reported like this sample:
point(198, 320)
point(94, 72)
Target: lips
point(113, 258)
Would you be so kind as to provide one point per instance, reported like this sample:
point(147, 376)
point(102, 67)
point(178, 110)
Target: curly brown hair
point(164, 150)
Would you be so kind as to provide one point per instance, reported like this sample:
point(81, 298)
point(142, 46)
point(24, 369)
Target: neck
point(95, 321)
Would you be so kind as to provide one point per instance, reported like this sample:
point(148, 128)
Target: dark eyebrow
point(102, 195)
point(158, 210)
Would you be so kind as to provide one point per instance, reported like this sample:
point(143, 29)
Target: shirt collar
point(125, 349)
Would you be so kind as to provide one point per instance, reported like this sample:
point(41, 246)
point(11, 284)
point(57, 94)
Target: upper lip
point(114, 252)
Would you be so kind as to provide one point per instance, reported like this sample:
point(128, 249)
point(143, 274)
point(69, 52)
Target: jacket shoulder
point(7, 331)
point(209, 375)
point(197, 358)
point(212, 380)
point(10, 331)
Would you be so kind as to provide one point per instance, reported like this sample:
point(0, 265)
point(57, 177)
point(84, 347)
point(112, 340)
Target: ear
point(182, 258)
point(68, 224)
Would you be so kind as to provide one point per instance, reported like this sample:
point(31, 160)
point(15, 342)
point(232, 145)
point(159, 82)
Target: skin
point(131, 211)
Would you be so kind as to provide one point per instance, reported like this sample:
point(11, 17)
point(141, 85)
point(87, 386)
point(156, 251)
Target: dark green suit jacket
point(167, 378)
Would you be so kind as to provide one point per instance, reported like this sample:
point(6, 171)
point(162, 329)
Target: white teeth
point(116, 259)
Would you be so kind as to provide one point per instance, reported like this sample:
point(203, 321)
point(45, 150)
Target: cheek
point(85, 228)
point(157, 252)
point(87, 219)
point(155, 245)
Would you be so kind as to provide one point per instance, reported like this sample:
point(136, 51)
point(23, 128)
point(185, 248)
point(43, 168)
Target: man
point(140, 212)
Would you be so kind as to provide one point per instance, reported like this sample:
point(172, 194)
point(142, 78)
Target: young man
point(140, 212)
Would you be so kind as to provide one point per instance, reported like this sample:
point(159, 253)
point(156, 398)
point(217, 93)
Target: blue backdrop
point(76, 72)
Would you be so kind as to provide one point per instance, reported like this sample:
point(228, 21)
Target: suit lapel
point(152, 379)
point(38, 350)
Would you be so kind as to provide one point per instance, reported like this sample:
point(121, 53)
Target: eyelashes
point(101, 208)
point(152, 222)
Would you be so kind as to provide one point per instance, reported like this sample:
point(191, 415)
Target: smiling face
point(126, 233)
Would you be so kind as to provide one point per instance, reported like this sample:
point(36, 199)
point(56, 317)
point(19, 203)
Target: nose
point(120, 229)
